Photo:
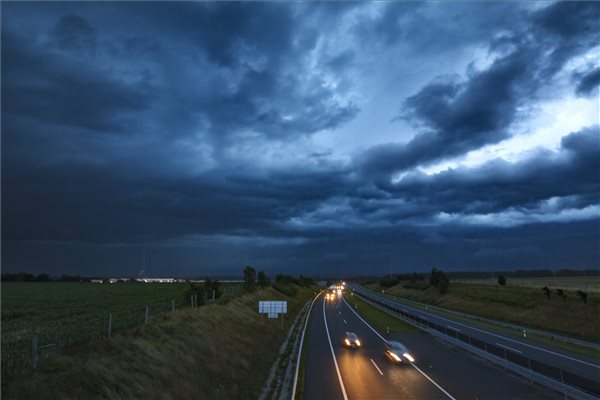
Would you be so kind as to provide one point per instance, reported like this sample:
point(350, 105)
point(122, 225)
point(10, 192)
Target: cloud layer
point(222, 134)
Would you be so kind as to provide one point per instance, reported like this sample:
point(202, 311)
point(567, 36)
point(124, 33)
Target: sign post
point(273, 309)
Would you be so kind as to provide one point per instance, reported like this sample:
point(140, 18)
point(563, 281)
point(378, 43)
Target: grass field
point(77, 311)
point(379, 318)
point(585, 283)
point(218, 351)
point(521, 305)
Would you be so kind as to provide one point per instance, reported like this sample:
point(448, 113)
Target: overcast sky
point(315, 138)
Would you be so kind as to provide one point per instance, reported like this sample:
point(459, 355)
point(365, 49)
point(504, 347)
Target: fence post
point(109, 324)
point(146, 316)
point(213, 294)
point(192, 300)
point(172, 306)
point(34, 342)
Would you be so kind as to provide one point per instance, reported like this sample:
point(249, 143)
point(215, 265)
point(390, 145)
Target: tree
point(263, 280)
point(249, 278)
point(547, 291)
point(210, 286)
point(439, 279)
point(560, 293)
point(443, 286)
point(501, 280)
point(199, 291)
point(42, 278)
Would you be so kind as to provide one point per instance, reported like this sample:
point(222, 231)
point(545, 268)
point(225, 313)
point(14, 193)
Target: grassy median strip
point(378, 318)
point(572, 347)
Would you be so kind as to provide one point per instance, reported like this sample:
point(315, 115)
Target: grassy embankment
point(217, 351)
point(518, 305)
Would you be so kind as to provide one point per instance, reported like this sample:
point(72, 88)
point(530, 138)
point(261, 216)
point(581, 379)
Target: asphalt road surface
point(586, 367)
point(440, 371)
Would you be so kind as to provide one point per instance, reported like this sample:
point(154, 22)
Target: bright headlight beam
point(408, 357)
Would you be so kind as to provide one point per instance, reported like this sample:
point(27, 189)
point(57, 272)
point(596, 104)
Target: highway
point(439, 372)
point(520, 348)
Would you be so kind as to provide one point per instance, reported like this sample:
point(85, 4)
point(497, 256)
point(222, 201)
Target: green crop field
point(77, 312)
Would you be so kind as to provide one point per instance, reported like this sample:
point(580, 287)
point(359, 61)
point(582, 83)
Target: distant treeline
point(26, 277)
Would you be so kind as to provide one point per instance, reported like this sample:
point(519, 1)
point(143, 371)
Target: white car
point(397, 352)
point(351, 340)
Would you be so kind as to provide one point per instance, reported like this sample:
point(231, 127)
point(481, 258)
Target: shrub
point(285, 289)
point(389, 282)
point(501, 280)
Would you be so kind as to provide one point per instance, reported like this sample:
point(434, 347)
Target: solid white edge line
point(376, 366)
point(337, 369)
point(509, 348)
point(414, 366)
point(301, 343)
point(396, 303)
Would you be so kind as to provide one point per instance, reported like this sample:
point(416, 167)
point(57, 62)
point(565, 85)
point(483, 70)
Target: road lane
point(360, 376)
point(320, 377)
point(461, 375)
point(582, 366)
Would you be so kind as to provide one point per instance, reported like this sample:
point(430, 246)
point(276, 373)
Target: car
point(351, 340)
point(397, 352)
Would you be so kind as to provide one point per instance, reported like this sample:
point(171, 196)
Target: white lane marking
point(498, 336)
point(345, 322)
point(509, 348)
point(376, 366)
point(337, 369)
point(414, 366)
point(453, 328)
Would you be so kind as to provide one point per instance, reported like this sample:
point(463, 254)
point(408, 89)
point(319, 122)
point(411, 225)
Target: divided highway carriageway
point(439, 371)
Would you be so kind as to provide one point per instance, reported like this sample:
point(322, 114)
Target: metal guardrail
point(295, 385)
point(520, 328)
point(510, 361)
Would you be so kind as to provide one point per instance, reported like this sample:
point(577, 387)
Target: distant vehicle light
point(357, 342)
point(409, 357)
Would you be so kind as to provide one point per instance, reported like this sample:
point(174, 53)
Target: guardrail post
point(34, 343)
point(146, 316)
point(172, 306)
point(109, 324)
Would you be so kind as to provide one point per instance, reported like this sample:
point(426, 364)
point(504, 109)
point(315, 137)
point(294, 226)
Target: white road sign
point(272, 308)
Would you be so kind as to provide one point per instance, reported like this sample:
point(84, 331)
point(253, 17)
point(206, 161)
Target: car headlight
point(347, 342)
point(408, 357)
point(395, 357)
point(357, 342)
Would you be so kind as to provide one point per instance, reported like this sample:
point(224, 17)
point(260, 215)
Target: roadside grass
point(379, 318)
point(519, 305)
point(218, 351)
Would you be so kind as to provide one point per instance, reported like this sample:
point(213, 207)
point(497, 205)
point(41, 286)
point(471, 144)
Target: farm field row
point(585, 283)
point(71, 312)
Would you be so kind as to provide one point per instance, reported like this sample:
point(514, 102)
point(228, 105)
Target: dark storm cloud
point(458, 116)
point(170, 125)
point(41, 85)
point(73, 32)
point(499, 185)
point(588, 83)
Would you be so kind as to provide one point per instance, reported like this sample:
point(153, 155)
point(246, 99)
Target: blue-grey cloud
point(204, 129)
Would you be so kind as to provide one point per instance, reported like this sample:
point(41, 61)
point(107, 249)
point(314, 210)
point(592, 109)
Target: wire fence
point(26, 346)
